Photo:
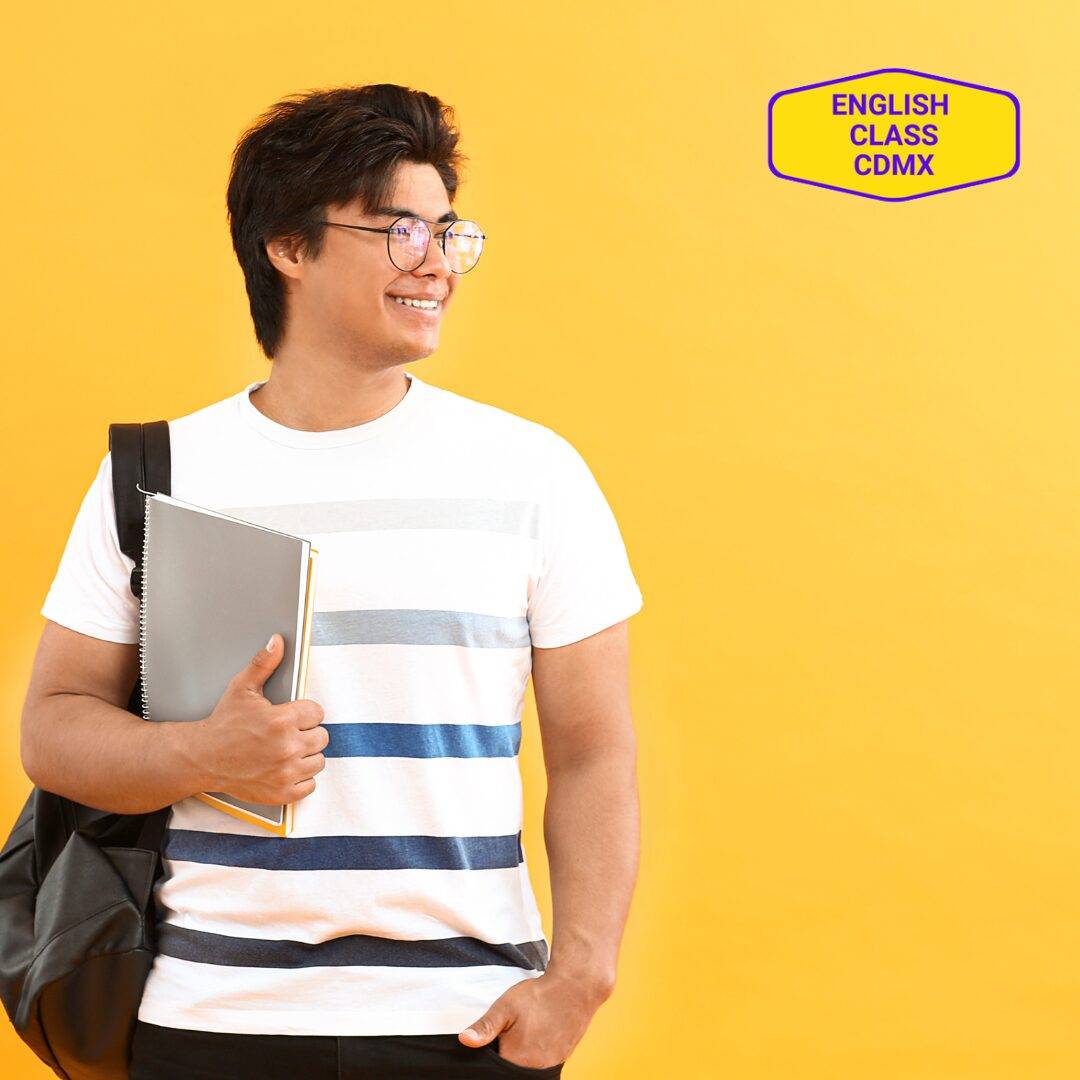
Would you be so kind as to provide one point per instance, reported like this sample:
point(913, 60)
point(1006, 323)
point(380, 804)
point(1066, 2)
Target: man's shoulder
point(205, 416)
point(483, 422)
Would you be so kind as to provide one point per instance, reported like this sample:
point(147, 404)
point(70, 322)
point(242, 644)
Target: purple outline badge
point(887, 71)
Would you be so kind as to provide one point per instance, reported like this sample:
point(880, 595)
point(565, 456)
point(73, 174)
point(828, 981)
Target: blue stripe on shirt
point(423, 740)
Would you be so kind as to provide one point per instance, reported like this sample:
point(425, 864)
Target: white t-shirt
point(452, 537)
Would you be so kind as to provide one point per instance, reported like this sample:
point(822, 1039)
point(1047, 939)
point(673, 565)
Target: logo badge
point(894, 134)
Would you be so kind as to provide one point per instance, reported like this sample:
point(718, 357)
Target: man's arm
point(591, 830)
point(591, 822)
point(77, 738)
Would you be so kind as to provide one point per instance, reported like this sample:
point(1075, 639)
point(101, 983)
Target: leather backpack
point(77, 913)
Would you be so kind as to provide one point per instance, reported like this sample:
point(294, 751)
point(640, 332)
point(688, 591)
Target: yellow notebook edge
point(305, 655)
point(305, 633)
point(243, 815)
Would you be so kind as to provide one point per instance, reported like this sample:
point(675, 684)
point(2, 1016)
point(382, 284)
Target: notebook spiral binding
point(142, 607)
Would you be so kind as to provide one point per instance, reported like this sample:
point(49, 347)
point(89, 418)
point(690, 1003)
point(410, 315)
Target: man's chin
point(405, 352)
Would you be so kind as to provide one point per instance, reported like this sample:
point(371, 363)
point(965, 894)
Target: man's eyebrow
point(402, 211)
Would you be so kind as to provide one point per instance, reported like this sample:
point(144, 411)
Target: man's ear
point(284, 254)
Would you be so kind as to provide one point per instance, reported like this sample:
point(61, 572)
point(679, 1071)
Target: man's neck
point(308, 399)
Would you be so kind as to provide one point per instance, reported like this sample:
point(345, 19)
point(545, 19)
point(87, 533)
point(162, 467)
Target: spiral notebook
point(214, 588)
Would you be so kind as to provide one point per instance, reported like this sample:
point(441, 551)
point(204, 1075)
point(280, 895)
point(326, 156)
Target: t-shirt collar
point(297, 437)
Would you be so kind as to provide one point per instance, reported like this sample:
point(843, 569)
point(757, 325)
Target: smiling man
point(462, 549)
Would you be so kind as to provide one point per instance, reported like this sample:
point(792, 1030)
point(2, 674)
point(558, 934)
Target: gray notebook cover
point(215, 588)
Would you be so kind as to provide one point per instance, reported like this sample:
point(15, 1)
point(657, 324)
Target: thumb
point(262, 664)
point(482, 1031)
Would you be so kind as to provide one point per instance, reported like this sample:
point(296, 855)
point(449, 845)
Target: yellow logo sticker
point(894, 134)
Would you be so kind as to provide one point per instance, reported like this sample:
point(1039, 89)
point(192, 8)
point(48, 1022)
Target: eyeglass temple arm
point(387, 228)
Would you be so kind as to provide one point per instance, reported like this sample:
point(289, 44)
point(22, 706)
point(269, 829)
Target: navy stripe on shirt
point(344, 852)
point(348, 950)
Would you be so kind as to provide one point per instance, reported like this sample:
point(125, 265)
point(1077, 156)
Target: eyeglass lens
point(409, 237)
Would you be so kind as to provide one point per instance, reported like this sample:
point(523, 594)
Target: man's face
point(344, 299)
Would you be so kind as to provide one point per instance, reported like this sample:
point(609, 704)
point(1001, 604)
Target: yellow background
point(840, 437)
point(976, 137)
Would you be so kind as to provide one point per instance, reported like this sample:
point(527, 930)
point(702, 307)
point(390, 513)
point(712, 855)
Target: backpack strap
point(140, 459)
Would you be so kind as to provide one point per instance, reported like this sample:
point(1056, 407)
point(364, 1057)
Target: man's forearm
point(103, 756)
point(592, 834)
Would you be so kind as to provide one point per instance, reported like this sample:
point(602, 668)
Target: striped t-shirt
point(453, 537)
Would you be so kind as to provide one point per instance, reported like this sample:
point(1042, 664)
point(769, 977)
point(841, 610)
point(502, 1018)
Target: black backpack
point(76, 883)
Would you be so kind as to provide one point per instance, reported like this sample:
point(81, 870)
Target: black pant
point(166, 1053)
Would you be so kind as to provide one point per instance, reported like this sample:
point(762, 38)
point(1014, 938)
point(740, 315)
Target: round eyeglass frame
point(388, 229)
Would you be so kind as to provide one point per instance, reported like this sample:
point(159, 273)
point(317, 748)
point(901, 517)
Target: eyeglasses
point(407, 242)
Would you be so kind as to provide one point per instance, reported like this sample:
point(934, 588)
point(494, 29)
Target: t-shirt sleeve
point(585, 582)
point(91, 592)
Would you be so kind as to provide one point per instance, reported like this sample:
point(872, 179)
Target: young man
point(462, 548)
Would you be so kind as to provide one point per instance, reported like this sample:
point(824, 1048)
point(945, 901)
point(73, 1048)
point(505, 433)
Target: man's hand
point(538, 1021)
point(258, 751)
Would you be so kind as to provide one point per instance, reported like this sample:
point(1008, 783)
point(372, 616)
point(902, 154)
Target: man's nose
point(435, 262)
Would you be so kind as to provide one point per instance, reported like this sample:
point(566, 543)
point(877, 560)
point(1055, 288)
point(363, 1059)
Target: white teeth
point(428, 304)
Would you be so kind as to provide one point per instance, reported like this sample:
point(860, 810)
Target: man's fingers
point(261, 665)
point(487, 1027)
point(308, 715)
